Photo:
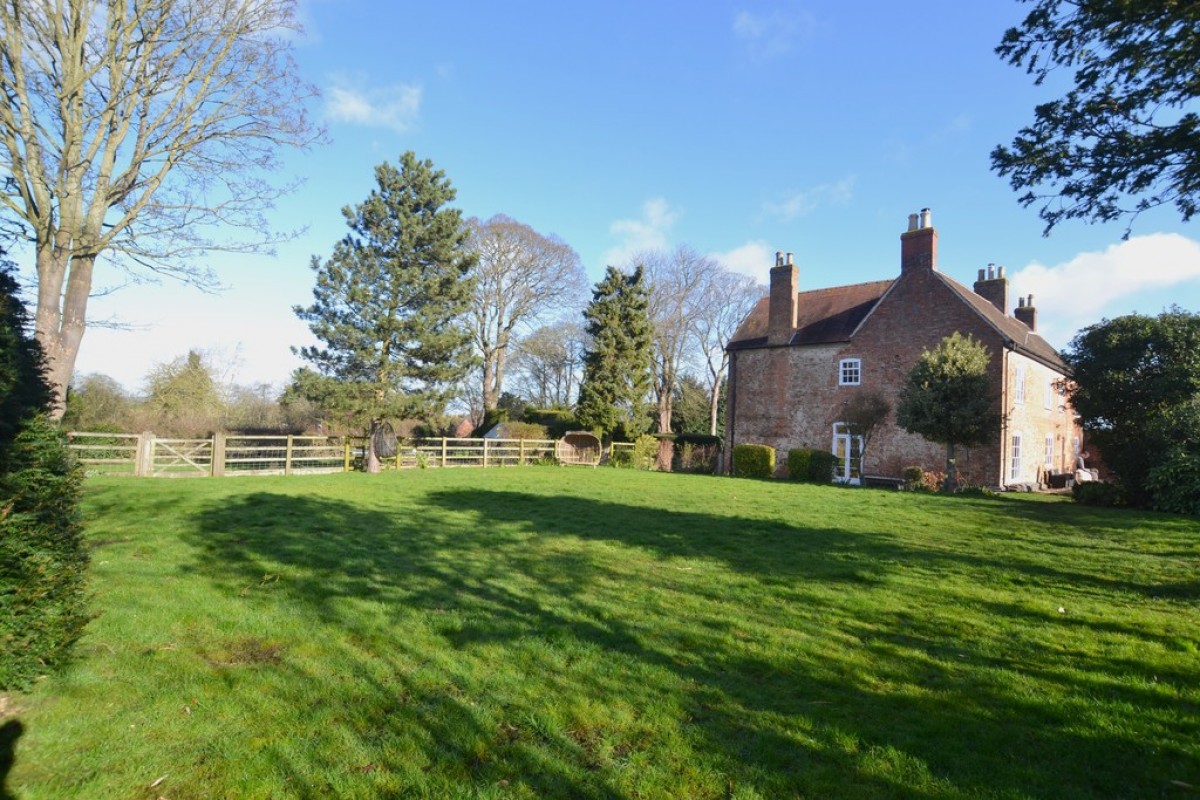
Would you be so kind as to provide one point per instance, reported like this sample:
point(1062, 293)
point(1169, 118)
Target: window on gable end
point(850, 372)
point(1049, 394)
point(1049, 459)
point(1019, 384)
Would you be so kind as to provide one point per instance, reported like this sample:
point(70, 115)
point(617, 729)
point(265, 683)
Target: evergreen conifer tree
point(617, 371)
point(43, 558)
point(389, 300)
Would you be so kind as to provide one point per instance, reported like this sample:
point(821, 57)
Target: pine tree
point(388, 301)
point(947, 398)
point(617, 372)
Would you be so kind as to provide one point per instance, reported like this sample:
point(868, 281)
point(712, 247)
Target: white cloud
point(1092, 285)
point(648, 232)
point(754, 258)
point(396, 107)
point(775, 33)
point(802, 203)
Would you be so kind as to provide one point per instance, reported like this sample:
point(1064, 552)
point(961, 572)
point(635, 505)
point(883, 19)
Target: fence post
point(485, 449)
point(521, 458)
point(346, 455)
point(443, 451)
point(144, 467)
point(287, 456)
point(218, 455)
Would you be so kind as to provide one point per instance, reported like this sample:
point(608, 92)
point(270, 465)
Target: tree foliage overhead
point(521, 275)
point(132, 128)
point(617, 371)
point(947, 397)
point(1125, 137)
point(389, 301)
point(1136, 388)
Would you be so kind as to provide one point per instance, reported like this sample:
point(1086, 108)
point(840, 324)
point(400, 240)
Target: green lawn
point(544, 633)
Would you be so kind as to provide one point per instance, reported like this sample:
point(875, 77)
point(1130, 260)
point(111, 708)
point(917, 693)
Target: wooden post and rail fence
point(149, 456)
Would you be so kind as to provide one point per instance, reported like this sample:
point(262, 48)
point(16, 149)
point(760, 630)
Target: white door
point(848, 450)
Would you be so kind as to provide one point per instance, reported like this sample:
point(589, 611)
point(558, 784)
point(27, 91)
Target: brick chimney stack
point(918, 245)
point(993, 287)
point(1025, 312)
point(785, 284)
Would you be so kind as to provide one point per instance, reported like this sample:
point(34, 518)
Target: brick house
point(798, 357)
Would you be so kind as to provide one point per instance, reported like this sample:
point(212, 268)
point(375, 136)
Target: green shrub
point(1174, 485)
point(820, 466)
point(697, 452)
point(919, 479)
point(525, 430)
point(1099, 494)
point(43, 558)
point(753, 461)
point(645, 452)
point(797, 463)
point(558, 421)
point(620, 458)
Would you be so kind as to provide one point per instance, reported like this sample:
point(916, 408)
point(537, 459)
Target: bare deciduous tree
point(731, 298)
point(136, 129)
point(549, 362)
point(679, 282)
point(521, 276)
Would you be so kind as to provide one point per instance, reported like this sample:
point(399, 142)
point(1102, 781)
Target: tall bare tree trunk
point(714, 406)
point(61, 315)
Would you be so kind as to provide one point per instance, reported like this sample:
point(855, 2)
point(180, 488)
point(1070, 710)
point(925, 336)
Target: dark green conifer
point(617, 368)
point(388, 301)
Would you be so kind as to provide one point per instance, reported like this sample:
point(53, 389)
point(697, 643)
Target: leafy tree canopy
point(1125, 137)
point(947, 397)
point(1136, 388)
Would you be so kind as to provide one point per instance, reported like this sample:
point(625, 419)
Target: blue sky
point(739, 128)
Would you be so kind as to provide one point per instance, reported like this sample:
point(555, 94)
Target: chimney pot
point(981, 273)
point(926, 218)
point(779, 258)
point(999, 272)
point(781, 309)
point(918, 245)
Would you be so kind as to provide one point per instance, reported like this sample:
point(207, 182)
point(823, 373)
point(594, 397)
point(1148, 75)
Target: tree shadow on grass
point(784, 688)
point(10, 732)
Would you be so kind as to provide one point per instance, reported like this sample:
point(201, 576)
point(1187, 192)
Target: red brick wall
point(789, 396)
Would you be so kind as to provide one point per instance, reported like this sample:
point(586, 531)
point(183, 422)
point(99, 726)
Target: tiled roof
point(1024, 340)
point(832, 315)
point(824, 315)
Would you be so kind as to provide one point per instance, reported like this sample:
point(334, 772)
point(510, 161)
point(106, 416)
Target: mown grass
point(541, 632)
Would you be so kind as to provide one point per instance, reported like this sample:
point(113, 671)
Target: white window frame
point(1049, 451)
point(1048, 396)
point(1019, 385)
point(849, 469)
point(850, 372)
point(1014, 460)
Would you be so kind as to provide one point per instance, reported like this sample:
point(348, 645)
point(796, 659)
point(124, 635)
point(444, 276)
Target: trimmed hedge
point(820, 466)
point(558, 421)
point(1099, 494)
point(810, 466)
point(753, 461)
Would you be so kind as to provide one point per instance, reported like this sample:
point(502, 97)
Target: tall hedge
point(43, 558)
